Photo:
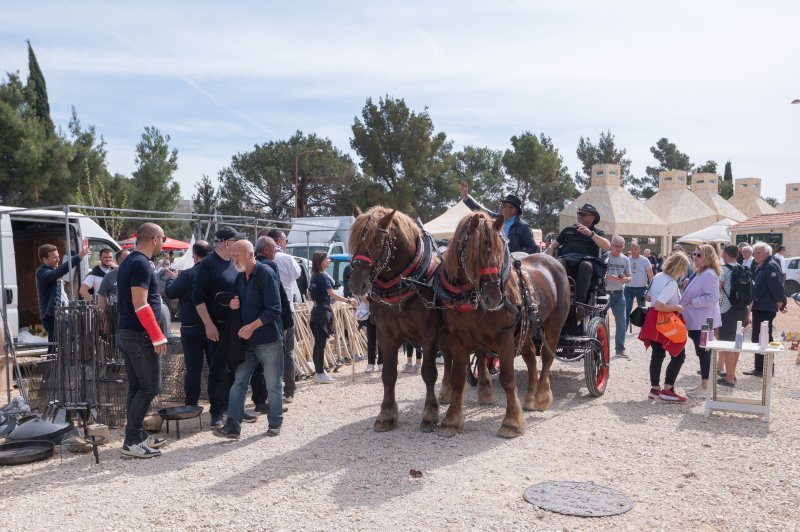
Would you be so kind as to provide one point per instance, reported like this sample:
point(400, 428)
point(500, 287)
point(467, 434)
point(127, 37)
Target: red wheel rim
point(602, 366)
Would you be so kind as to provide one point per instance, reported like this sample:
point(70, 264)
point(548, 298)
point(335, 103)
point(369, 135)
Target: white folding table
point(744, 405)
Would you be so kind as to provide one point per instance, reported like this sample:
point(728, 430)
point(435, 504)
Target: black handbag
point(638, 316)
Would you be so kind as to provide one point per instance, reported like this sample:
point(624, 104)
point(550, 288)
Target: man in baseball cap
point(226, 232)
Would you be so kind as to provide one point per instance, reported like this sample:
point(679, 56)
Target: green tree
point(37, 91)
point(205, 196)
point(154, 188)
point(669, 157)
point(605, 152)
point(726, 186)
point(482, 169)
point(772, 201)
point(400, 151)
point(262, 182)
point(538, 176)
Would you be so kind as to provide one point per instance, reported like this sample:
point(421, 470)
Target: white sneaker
point(155, 442)
point(697, 393)
point(440, 360)
point(323, 378)
point(408, 368)
point(370, 368)
point(380, 367)
point(139, 450)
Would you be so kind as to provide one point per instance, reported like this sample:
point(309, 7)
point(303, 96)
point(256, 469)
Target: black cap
point(515, 201)
point(226, 232)
point(588, 207)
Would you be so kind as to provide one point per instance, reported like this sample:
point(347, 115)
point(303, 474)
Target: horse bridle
point(376, 266)
point(491, 276)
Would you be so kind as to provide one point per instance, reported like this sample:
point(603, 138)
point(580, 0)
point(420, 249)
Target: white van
point(22, 234)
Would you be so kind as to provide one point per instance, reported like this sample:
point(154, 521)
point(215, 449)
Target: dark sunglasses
point(697, 254)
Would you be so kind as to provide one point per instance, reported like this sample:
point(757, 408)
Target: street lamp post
point(296, 173)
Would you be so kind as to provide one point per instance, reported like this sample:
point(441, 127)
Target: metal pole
point(296, 158)
point(69, 255)
point(308, 245)
point(7, 341)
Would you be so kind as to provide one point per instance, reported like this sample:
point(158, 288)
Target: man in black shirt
point(193, 333)
point(215, 274)
point(140, 339)
point(575, 243)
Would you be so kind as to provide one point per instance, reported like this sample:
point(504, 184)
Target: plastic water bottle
point(739, 336)
point(710, 327)
point(763, 336)
point(704, 336)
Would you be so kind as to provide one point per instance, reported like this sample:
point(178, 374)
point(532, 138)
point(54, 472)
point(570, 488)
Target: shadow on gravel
point(724, 423)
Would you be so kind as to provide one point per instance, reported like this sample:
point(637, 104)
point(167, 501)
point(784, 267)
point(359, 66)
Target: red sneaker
point(670, 395)
point(654, 393)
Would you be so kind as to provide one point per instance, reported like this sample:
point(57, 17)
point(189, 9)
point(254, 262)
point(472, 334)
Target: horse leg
point(484, 382)
point(543, 395)
point(430, 416)
point(513, 423)
point(446, 392)
point(453, 421)
point(387, 418)
point(529, 356)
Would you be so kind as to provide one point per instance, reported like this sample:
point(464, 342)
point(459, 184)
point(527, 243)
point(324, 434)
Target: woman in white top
point(665, 297)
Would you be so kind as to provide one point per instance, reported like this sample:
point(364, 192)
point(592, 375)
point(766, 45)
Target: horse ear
point(386, 220)
point(474, 221)
point(498, 224)
point(356, 211)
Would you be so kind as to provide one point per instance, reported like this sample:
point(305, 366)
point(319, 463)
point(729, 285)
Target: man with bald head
point(258, 299)
point(140, 339)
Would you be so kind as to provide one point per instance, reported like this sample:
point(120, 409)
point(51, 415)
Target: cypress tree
point(726, 187)
point(37, 90)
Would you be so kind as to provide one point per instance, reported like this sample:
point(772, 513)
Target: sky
point(715, 77)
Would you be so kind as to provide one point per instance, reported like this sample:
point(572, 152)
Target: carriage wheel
point(472, 370)
point(596, 362)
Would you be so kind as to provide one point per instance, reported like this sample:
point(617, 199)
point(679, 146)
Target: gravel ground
point(329, 470)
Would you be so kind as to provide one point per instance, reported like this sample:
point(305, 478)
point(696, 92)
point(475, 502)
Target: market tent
point(717, 233)
point(170, 244)
point(443, 227)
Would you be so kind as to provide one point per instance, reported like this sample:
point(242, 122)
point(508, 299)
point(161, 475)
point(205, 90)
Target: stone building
point(774, 229)
point(706, 187)
point(792, 203)
point(682, 210)
point(747, 197)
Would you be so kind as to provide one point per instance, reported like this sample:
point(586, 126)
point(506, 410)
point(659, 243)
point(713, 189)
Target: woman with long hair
point(700, 301)
point(665, 297)
point(321, 292)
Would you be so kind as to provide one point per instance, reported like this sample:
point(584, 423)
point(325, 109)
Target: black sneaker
point(262, 408)
point(216, 422)
point(139, 450)
point(249, 418)
point(227, 432)
point(754, 373)
point(274, 431)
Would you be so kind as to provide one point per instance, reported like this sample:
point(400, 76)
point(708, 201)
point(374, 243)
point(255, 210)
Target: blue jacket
point(180, 288)
point(46, 283)
point(768, 289)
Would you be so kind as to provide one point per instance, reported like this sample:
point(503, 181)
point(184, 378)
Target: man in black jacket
point(193, 333)
point(768, 297)
point(49, 287)
point(517, 230)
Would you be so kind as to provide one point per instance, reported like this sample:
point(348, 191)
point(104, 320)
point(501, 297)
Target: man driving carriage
point(576, 245)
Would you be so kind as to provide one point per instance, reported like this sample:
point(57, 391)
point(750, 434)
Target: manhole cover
point(584, 499)
point(793, 395)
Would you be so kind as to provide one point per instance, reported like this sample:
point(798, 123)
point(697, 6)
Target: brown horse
point(393, 261)
point(489, 312)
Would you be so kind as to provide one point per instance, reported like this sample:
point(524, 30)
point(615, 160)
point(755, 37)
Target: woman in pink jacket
point(700, 301)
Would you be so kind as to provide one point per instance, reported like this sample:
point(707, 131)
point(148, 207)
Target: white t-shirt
point(94, 282)
point(664, 289)
point(288, 271)
point(780, 258)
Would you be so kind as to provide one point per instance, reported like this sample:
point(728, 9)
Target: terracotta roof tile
point(766, 220)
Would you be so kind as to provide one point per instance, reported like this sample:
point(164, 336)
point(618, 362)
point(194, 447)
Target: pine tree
point(37, 91)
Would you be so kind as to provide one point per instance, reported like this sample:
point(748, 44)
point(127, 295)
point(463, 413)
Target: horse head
point(381, 242)
point(475, 257)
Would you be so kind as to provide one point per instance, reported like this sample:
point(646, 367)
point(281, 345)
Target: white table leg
point(769, 369)
point(711, 391)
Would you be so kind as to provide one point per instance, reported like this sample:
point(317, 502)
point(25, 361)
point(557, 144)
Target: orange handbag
point(671, 326)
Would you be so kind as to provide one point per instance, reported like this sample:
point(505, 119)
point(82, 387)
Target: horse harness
point(420, 271)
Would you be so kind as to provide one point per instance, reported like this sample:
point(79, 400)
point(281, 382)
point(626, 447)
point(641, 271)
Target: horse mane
point(365, 227)
point(481, 245)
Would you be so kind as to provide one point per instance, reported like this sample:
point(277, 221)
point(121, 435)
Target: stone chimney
point(707, 182)
point(672, 180)
point(747, 186)
point(793, 192)
point(604, 175)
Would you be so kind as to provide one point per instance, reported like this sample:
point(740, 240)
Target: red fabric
point(148, 320)
point(648, 334)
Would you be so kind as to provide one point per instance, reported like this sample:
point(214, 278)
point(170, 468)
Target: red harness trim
point(411, 267)
point(489, 271)
point(364, 258)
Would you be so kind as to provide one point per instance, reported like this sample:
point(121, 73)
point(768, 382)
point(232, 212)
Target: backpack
point(741, 286)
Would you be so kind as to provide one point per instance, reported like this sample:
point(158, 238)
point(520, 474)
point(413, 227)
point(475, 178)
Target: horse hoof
point(542, 405)
point(384, 426)
point(447, 431)
point(427, 426)
point(529, 405)
point(509, 432)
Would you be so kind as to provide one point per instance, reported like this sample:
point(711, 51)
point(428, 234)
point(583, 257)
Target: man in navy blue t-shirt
point(140, 339)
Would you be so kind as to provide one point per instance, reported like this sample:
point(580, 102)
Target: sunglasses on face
point(697, 254)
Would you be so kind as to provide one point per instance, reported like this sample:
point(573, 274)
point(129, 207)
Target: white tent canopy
point(717, 233)
point(445, 225)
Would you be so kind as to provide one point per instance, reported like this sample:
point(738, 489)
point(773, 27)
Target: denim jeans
point(195, 349)
point(257, 384)
point(632, 293)
point(143, 370)
point(617, 304)
point(271, 357)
